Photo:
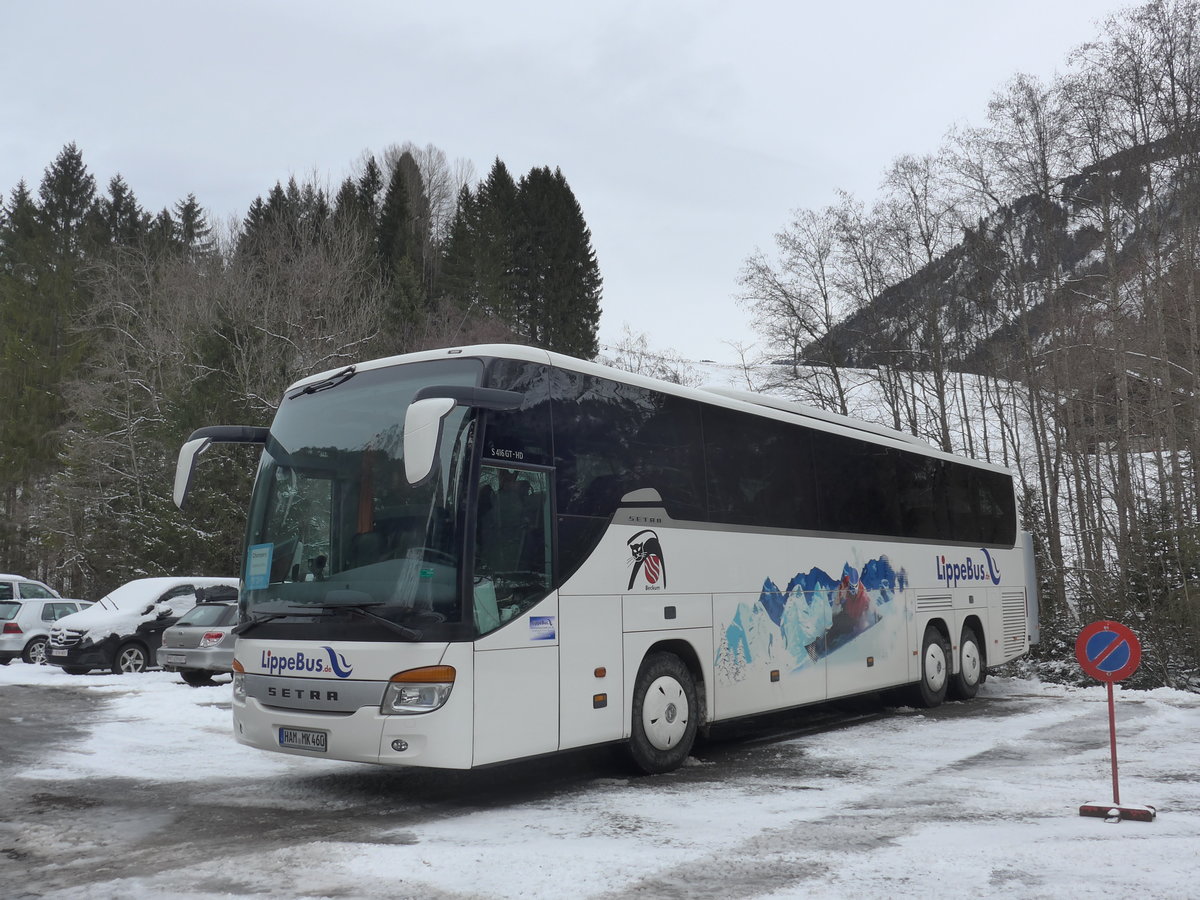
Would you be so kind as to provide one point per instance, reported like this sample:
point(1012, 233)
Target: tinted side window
point(519, 436)
point(759, 471)
point(982, 506)
point(857, 485)
point(34, 591)
point(6, 590)
point(613, 438)
point(577, 538)
point(921, 481)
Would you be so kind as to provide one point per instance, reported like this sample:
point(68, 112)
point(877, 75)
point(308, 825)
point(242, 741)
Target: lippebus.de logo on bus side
point(968, 570)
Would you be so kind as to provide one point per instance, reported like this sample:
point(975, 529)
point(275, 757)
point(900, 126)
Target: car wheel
point(76, 670)
point(35, 652)
point(197, 677)
point(665, 714)
point(930, 691)
point(131, 657)
point(965, 683)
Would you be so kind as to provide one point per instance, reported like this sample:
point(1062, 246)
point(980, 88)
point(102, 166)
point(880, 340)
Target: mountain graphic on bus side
point(815, 615)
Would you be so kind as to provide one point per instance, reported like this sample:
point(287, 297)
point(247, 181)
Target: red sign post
point(1110, 652)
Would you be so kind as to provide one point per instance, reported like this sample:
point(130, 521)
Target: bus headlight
point(239, 682)
point(418, 690)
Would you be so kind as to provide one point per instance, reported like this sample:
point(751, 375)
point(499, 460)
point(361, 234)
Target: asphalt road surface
point(59, 838)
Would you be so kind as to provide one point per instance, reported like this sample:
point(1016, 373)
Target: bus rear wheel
point(930, 691)
point(965, 683)
point(664, 714)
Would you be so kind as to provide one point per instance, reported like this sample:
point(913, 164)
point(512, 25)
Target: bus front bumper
point(439, 739)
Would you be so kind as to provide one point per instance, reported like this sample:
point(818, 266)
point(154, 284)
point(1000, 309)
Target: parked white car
point(28, 609)
point(123, 630)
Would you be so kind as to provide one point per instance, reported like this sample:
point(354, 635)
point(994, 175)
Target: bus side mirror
point(423, 435)
point(186, 466)
point(200, 441)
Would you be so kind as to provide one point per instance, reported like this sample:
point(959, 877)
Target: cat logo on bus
point(647, 559)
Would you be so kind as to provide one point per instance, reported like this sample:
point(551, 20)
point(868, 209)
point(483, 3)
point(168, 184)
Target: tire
point(197, 677)
point(665, 714)
point(131, 657)
point(35, 652)
point(76, 670)
point(930, 691)
point(964, 684)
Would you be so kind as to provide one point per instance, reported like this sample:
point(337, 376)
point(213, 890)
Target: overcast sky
point(688, 131)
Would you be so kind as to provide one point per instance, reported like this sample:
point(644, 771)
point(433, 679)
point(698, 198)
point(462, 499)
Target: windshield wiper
point(325, 384)
point(409, 634)
point(243, 627)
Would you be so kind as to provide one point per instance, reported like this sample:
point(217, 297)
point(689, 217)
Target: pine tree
point(370, 183)
point(162, 235)
point(195, 234)
point(24, 246)
point(121, 220)
point(496, 235)
point(67, 193)
point(346, 204)
point(395, 250)
point(392, 242)
point(557, 274)
point(459, 279)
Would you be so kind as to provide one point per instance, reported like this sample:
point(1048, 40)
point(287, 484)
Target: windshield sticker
point(258, 566)
point(541, 628)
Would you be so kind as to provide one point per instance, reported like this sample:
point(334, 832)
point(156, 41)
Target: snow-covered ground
point(983, 803)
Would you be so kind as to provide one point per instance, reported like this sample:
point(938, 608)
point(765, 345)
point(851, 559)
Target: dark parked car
point(123, 630)
point(200, 645)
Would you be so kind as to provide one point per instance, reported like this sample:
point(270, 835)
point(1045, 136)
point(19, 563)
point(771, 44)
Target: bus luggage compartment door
point(591, 671)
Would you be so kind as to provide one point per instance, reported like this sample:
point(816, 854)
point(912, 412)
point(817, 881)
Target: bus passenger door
point(516, 617)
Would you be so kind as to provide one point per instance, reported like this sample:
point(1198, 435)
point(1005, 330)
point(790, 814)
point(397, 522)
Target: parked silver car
point(27, 610)
point(200, 645)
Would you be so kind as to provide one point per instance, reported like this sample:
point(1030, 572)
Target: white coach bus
point(460, 557)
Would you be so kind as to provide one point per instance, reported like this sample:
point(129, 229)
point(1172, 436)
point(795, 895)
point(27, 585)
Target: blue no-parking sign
point(1108, 651)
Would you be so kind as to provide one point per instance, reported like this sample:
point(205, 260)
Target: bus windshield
point(335, 528)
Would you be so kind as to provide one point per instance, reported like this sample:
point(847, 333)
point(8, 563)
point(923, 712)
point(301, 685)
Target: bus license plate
point(303, 739)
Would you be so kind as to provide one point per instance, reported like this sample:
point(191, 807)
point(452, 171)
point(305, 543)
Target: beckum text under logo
point(968, 570)
point(277, 664)
point(647, 561)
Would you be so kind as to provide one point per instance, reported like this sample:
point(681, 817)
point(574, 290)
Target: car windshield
point(134, 594)
point(9, 610)
point(207, 615)
point(334, 522)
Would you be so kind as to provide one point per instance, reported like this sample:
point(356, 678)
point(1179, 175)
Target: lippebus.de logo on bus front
point(647, 560)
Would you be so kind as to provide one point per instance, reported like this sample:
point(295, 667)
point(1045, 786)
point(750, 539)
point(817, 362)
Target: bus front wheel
point(664, 714)
point(930, 691)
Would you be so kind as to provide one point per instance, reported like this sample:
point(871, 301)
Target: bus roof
point(760, 404)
